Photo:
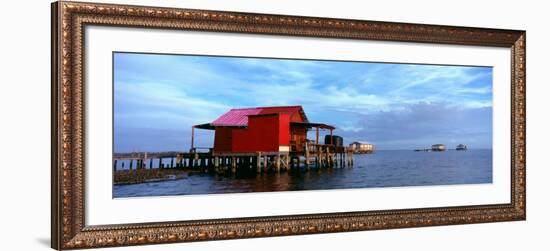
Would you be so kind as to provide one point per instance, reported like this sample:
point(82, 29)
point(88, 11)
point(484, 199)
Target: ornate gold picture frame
point(69, 230)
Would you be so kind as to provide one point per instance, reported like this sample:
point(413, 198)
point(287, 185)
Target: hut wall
point(223, 139)
point(264, 133)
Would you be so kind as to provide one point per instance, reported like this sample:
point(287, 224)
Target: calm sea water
point(382, 169)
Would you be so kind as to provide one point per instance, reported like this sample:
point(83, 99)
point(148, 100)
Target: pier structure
point(258, 139)
point(313, 156)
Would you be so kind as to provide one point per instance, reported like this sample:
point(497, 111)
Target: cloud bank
point(157, 98)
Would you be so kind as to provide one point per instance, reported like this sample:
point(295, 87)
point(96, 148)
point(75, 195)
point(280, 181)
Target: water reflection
point(382, 169)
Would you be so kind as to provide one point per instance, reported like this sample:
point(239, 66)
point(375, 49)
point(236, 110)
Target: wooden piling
point(265, 163)
point(216, 163)
point(287, 159)
point(313, 155)
point(196, 160)
point(278, 163)
point(178, 161)
point(258, 167)
point(329, 162)
point(307, 156)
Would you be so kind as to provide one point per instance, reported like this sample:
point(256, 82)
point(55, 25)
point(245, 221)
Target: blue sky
point(157, 98)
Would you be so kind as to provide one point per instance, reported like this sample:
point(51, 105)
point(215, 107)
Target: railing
point(312, 148)
point(196, 149)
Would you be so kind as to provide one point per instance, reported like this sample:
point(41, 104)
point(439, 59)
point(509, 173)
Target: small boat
point(438, 148)
point(461, 147)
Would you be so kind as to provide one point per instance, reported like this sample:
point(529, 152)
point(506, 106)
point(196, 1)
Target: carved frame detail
point(68, 22)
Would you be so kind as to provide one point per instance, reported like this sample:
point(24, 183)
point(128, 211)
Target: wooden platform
point(312, 156)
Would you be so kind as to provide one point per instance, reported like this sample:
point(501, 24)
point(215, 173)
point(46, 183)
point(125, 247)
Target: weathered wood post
point(161, 166)
point(151, 163)
point(307, 156)
point(196, 160)
point(336, 158)
point(114, 165)
point(258, 162)
point(227, 161)
point(317, 135)
point(265, 163)
point(322, 157)
point(216, 163)
point(172, 162)
point(278, 162)
point(131, 161)
point(329, 159)
point(178, 160)
point(233, 164)
point(317, 157)
point(287, 156)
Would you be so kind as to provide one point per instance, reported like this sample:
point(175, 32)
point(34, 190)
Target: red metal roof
point(239, 116)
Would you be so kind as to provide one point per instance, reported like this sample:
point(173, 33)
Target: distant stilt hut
point(461, 147)
point(438, 147)
point(361, 147)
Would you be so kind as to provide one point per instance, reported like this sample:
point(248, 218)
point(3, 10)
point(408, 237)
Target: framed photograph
point(178, 125)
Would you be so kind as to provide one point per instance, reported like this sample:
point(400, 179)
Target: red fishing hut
point(262, 129)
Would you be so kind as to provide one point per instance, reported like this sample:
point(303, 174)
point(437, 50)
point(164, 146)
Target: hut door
point(297, 138)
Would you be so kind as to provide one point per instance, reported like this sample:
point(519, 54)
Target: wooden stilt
point(307, 156)
point(225, 163)
point(278, 162)
point(258, 162)
point(196, 160)
point(178, 161)
point(265, 163)
point(114, 165)
point(287, 159)
point(329, 162)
